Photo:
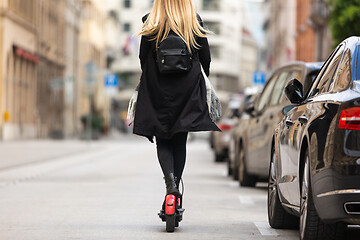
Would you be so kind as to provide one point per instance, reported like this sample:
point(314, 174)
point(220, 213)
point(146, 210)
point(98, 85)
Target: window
point(211, 5)
point(127, 27)
point(343, 78)
point(265, 95)
point(215, 52)
point(278, 92)
point(327, 72)
point(215, 27)
point(127, 3)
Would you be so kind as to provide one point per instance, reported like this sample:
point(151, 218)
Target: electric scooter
point(172, 212)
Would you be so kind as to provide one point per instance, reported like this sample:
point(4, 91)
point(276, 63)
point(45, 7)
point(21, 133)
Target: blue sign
point(259, 78)
point(111, 80)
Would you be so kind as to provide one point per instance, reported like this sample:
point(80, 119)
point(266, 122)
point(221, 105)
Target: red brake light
point(350, 118)
point(225, 126)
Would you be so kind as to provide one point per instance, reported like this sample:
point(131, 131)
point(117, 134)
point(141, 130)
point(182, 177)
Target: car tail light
point(224, 126)
point(350, 118)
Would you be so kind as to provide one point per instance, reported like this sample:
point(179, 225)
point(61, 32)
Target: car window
point(266, 93)
point(309, 80)
point(327, 73)
point(343, 78)
point(279, 87)
point(297, 74)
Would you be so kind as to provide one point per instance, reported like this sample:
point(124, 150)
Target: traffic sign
point(111, 80)
point(259, 78)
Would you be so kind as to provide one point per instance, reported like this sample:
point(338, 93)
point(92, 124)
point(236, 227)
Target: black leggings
point(172, 154)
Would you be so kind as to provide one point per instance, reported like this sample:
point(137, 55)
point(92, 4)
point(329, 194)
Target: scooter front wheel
point(170, 223)
point(170, 212)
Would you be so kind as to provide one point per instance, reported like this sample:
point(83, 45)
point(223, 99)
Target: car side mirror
point(294, 91)
point(249, 107)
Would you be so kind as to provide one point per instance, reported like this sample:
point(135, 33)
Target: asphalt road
point(115, 189)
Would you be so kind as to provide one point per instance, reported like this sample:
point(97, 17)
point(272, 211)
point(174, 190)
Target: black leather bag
point(173, 55)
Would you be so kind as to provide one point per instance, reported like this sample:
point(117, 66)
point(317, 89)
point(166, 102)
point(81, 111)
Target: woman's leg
point(166, 160)
point(179, 154)
point(165, 155)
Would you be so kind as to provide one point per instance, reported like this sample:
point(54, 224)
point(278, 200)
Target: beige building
point(92, 42)
point(51, 50)
point(72, 67)
point(18, 69)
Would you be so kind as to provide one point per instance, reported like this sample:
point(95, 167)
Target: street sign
point(259, 78)
point(111, 80)
point(111, 83)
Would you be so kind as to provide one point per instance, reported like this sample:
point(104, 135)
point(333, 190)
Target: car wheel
point(278, 217)
point(230, 171)
point(219, 157)
point(245, 179)
point(311, 226)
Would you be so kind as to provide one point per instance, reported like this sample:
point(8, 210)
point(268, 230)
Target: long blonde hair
point(176, 15)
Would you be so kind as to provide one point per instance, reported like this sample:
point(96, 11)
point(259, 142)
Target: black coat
point(168, 104)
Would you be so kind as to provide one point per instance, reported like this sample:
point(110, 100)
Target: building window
point(127, 3)
point(213, 26)
point(215, 52)
point(127, 27)
point(211, 5)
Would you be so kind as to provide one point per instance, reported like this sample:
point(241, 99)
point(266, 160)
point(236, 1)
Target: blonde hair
point(176, 15)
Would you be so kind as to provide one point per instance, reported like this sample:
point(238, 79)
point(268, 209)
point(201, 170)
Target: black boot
point(171, 187)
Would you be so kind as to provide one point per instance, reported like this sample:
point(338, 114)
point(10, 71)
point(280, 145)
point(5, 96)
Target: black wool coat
point(169, 104)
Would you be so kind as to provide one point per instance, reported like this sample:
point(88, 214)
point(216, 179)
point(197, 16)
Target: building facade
point(51, 50)
point(280, 32)
point(305, 34)
point(249, 59)
point(18, 69)
point(92, 54)
point(319, 16)
point(72, 67)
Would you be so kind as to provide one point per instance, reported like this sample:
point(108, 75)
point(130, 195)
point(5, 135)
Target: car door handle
point(303, 119)
point(289, 123)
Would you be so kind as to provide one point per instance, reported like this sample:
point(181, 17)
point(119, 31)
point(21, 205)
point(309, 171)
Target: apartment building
point(280, 32)
point(18, 69)
point(51, 51)
point(72, 67)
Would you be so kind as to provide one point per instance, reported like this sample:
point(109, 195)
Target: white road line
point(246, 200)
point(265, 229)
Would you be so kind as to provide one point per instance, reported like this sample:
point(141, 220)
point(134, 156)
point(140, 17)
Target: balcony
point(319, 12)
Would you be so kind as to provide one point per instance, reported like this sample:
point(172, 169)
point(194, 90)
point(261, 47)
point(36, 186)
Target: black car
point(252, 142)
point(315, 164)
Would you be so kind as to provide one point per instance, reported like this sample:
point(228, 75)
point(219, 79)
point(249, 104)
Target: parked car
point(239, 125)
point(253, 141)
point(220, 140)
point(315, 163)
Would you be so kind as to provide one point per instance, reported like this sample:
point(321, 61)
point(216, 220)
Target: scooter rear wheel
point(170, 223)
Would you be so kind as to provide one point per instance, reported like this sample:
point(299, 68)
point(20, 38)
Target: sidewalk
point(18, 153)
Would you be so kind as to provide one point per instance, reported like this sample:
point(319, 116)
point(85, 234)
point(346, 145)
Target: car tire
point(277, 216)
point(219, 157)
point(230, 170)
point(245, 179)
point(311, 226)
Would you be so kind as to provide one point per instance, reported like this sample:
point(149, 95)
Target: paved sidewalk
point(18, 153)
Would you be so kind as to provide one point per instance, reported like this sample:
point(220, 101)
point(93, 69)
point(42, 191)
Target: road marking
point(265, 229)
point(246, 200)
